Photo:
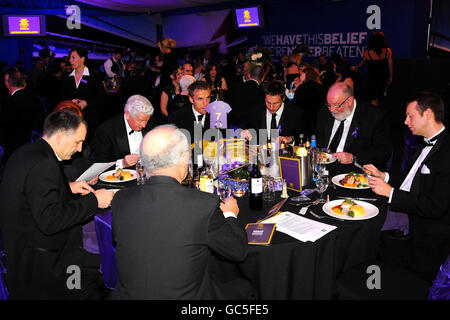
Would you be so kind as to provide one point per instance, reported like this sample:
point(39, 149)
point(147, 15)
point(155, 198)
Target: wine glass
point(322, 182)
point(224, 190)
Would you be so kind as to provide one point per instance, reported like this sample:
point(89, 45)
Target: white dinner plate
point(330, 159)
point(370, 210)
point(103, 176)
point(339, 177)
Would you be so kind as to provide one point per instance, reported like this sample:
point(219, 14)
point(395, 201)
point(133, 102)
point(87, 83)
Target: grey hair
point(186, 81)
point(169, 156)
point(138, 104)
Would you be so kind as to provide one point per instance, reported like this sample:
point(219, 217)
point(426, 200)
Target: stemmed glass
point(224, 190)
point(322, 182)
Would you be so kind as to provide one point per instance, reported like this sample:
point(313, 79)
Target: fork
point(305, 209)
point(322, 217)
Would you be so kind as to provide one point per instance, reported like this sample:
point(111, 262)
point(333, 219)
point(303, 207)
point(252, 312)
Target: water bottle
point(441, 285)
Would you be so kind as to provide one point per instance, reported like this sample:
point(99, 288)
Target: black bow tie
point(430, 142)
point(131, 132)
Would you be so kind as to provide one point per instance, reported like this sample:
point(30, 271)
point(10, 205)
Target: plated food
point(326, 158)
point(351, 181)
point(119, 175)
point(350, 209)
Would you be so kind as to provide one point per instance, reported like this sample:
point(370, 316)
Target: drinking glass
point(140, 172)
point(224, 190)
point(268, 188)
point(322, 182)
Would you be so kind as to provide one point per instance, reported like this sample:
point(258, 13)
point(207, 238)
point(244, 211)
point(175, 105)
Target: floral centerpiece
point(259, 56)
point(236, 175)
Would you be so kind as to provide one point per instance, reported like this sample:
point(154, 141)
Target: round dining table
point(287, 268)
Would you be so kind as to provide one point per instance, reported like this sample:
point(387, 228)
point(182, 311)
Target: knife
point(367, 199)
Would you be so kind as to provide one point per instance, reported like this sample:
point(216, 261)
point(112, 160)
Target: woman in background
point(380, 67)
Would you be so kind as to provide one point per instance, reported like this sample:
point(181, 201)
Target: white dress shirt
point(134, 142)
point(108, 65)
point(85, 73)
point(347, 123)
point(406, 185)
point(196, 114)
point(269, 118)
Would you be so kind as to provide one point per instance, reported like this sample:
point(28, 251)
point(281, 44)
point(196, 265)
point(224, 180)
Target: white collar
point(196, 113)
point(279, 111)
point(439, 132)
point(85, 72)
point(12, 93)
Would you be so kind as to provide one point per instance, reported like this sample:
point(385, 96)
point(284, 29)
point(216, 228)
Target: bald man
point(165, 232)
point(352, 130)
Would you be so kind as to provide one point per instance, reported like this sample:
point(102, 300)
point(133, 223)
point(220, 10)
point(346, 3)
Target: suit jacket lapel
point(416, 180)
point(328, 128)
point(121, 138)
point(352, 132)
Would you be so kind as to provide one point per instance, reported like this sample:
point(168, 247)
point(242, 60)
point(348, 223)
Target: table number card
point(260, 233)
point(291, 172)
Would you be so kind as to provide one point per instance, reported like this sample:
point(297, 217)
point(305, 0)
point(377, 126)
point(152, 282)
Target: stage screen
point(23, 25)
point(251, 17)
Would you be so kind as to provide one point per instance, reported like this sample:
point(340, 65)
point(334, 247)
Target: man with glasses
point(352, 131)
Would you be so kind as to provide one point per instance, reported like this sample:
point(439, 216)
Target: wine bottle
point(207, 180)
point(256, 189)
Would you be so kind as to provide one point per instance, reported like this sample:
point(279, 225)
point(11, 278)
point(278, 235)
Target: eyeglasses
point(329, 106)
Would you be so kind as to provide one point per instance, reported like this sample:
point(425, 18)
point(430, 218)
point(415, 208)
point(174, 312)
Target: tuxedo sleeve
point(432, 202)
point(226, 237)
point(52, 211)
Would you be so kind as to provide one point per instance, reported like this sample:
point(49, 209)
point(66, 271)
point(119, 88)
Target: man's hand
point(380, 187)
point(80, 187)
point(104, 198)
point(246, 135)
point(282, 139)
point(371, 170)
point(93, 181)
point(230, 205)
point(343, 157)
point(130, 160)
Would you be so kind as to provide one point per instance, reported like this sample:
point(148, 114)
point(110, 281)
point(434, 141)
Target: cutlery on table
point(322, 217)
point(305, 209)
point(362, 199)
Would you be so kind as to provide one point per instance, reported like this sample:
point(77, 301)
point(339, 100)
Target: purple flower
point(355, 133)
point(279, 128)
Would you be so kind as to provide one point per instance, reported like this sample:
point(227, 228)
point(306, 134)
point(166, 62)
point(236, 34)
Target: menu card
point(94, 170)
point(260, 233)
point(299, 227)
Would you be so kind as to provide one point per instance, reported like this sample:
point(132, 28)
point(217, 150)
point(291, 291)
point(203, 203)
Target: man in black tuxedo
point(277, 114)
point(21, 113)
point(244, 97)
point(423, 193)
point(193, 117)
point(165, 233)
point(119, 138)
point(41, 217)
point(352, 130)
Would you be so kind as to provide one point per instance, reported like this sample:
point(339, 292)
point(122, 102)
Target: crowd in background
point(157, 77)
